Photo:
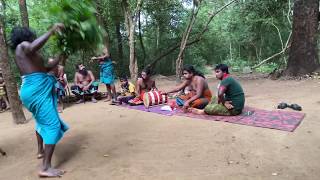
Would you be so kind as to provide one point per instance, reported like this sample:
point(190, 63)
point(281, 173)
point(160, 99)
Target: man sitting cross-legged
point(199, 96)
point(84, 84)
point(127, 91)
point(230, 100)
point(144, 84)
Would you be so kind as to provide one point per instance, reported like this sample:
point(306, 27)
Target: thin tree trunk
point(303, 57)
point(24, 13)
point(130, 21)
point(11, 85)
point(179, 61)
point(195, 40)
point(119, 39)
point(141, 40)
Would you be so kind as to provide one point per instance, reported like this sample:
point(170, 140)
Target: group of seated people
point(198, 98)
point(194, 92)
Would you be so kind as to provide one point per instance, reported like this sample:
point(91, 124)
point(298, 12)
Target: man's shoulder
point(23, 46)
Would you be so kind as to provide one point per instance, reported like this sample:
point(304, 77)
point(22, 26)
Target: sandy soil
point(109, 142)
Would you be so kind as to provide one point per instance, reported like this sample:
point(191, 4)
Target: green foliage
point(82, 31)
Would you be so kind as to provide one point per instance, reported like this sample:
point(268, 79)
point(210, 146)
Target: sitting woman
point(198, 95)
point(127, 91)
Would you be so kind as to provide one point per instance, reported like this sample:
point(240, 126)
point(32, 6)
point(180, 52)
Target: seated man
point(3, 95)
point(199, 94)
point(127, 91)
point(230, 100)
point(58, 72)
point(84, 84)
point(144, 84)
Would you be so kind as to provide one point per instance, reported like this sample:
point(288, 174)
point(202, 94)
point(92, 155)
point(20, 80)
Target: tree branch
point(275, 55)
point(195, 40)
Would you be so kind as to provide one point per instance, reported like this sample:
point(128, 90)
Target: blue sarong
point(38, 96)
point(107, 72)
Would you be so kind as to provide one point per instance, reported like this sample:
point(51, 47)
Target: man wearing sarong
point(200, 94)
point(107, 76)
point(230, 100)
point(37, 93)
point(84, 84)
point(144, 84)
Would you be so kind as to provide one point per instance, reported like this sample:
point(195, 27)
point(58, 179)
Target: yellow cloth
point(130, 91)
point(2, 91)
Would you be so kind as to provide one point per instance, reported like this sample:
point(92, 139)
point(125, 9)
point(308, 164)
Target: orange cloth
point(201, 102)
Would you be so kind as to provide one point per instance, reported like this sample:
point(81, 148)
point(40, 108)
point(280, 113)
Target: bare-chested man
point(84, 84)
point(145, 83)
point(200, 94)
point(37, 92)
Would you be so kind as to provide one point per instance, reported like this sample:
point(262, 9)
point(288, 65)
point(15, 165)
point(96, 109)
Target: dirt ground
point(109, 142)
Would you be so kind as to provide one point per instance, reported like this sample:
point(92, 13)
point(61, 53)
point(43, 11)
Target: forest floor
point(110, 142)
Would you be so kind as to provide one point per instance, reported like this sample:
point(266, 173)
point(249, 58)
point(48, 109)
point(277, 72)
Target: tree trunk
point(24, 13)
point(119, 39)
point(303, 56)
point(179, 61)
point(133, 67)
point(130, 21)
point(11, 85)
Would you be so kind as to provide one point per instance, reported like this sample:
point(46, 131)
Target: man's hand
point(164, 93)
point(92, 59)
point(85, 88)
point(81, 86)
point(186, 105)
point(58, 27)
point(228, 105)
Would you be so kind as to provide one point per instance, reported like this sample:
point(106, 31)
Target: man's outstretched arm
point(40, 41)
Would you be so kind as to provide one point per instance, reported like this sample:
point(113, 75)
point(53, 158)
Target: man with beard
point(200, 94)
point(144, 84)
point(84, 84)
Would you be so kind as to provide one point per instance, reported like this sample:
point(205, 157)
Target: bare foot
point(80, 101)
point(107, 100)
point(51, 172)
point(94, 100)
point(197, 111)
point(40, 155)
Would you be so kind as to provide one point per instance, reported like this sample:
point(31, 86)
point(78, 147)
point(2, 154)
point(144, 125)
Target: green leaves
point(82, 31)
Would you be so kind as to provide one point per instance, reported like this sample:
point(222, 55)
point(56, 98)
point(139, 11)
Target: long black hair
point(190, 69)
point(21, 34)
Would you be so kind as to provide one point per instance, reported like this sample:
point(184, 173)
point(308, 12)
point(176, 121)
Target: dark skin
point(196, 82)
point(222, 90)
point(29, 60)
point(145, 83)
point(110, 88)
